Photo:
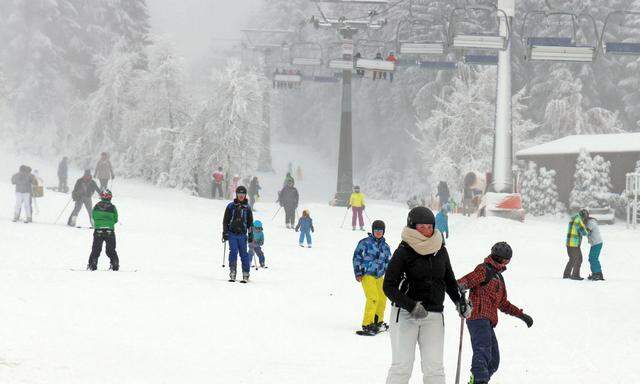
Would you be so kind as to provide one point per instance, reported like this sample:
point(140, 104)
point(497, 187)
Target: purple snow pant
point(357, 214)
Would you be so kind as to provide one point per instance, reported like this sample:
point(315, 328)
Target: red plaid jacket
point(488, 298)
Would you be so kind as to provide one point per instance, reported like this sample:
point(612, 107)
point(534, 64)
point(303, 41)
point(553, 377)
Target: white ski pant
point(405, 334)
point(23, 200)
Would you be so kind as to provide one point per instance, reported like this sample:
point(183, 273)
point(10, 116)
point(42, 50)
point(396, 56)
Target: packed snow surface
point(607, 143)
point(178, 320)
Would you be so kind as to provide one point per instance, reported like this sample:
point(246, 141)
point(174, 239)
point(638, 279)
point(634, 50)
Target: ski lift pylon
point(559, 48)
point(618, 47)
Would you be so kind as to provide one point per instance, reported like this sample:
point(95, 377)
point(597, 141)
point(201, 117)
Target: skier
point(488, 294)
point(443, 193)
point(575, 232)
point(82, 192)
point(288, 198)
point(305, 226)
point(442, 220)
point(233, 187)
point(377, 74)
point(104, 171)
point(105, 217)
point(287, 179)
point(254, 191)
point(595, 240)
point(24, 182)
point(63, 175)
point(356, 204)
point(391, 57)
point(416, 280)
point(218, 178)
point(359, 72)
point(370, 261)
point(237, 223)
point(255, 247)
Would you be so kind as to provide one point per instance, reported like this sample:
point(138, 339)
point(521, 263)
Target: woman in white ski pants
point(428, 333)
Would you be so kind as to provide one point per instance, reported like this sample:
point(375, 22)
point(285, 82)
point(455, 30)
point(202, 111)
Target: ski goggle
point(377, 230)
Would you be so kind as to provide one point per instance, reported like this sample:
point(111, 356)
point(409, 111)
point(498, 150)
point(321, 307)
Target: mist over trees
point(82, 76)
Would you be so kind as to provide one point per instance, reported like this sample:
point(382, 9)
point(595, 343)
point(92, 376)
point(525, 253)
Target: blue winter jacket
point(305, 224)
point(258, 237)
point(442, 222)
point(371, 257)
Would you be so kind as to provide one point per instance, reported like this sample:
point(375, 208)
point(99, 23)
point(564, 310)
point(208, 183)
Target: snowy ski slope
point(177, 320)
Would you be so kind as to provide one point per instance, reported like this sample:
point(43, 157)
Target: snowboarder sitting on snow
point(442, 221)
point(305, 226)
point(255, 247)
point(356, 204)
point(595, 240)
point(82, 192)
point(575, 232)
point(237, 222)
point(370, 261)
point(488, 294)
point(105, 216)
point(288, 198)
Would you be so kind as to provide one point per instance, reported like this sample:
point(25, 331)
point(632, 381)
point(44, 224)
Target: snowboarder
point(595, 240)
point(105, 217)
point(356, 204)
point(218, 178)
point(104, 171)
point(82, 192)
point(254, 191)
point(488, 294)
point(237, 223)
point(305, 226)
point(370, 261)
point(416, 280)
point(442, 221)
point(63, 175)
point(443, 193)
point(575, 232)
point(255, 247)
point(288, 198)
point(24, 182)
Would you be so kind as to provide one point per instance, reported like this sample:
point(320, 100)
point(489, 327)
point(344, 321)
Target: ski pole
point(368, 218)
point(61, 212)
point(224, 252)
point(460, 344)
point(276, 214)
point(344, 218)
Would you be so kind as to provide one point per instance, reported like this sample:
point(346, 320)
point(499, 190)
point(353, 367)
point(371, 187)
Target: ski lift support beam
point(562, 49)
point(618, 47)
point(475, 40)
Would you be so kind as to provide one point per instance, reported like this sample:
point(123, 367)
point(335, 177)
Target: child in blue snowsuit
point(305, 226)
point(255, 248)
point(442, 221)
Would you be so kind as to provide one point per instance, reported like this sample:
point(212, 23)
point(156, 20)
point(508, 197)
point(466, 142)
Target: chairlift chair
point(417, 40)
point(559, 48)
point(493, 41)
point(306, 53)
point(618, 47)
point(490, 60)
point(366, 47)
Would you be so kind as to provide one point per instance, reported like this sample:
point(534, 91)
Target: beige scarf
point(420, 243)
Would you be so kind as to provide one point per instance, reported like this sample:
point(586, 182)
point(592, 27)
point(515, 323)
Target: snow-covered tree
point(540, 192)
point(591, 182)
point(529, 188)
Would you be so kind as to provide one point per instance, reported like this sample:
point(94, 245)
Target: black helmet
point(584, 214)
point(241, 189)
point(356, 187)
point(501, 251)
point(379, 225)
point(420, 215)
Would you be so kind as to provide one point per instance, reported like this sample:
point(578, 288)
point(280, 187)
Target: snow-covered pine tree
point(602, 180)
point(549, 197)
point(529, 188)
point(592, 182)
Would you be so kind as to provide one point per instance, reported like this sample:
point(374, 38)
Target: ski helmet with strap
point(501, 251)
point(420, 215)
point(106, 195)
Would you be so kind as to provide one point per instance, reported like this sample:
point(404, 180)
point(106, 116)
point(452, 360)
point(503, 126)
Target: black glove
point(250, 237)
point(464, 308)
point(225, 237)
point(527, 319)
point(419, 312)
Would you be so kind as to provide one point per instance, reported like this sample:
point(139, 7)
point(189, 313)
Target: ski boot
point(114, 267)
point(309, 246)
point(381, 326)
point(368, 330)
point(301, 245)
point(576, 278)
point(596, 276)
point(262, 265)
point(245, 278)
point(16, 219)
point(91, 267)
point(354, 228)
point(362, 229)
point(72, 221)
point(472, 380)
point(232, 275)
point(28, 220)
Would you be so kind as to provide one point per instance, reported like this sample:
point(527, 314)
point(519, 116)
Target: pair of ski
point(102, 270)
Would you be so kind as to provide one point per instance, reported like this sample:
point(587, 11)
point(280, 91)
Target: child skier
point(595, 240)
point(255, 247)
point(105, 216)
point(370, 261)
point(305, 226)
point(488, 294)
point(442, 221)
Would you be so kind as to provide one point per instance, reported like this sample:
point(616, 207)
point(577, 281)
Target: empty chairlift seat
point(479, 41)
point(558, 49)
point(433, 48)
point(624, 46)
point(481, 59)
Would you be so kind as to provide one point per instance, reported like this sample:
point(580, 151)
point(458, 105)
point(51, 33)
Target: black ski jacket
point(84, 189)
point(426, 278)
point(288, 197)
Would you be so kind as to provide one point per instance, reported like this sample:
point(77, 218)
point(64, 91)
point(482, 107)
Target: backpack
point(238, 222)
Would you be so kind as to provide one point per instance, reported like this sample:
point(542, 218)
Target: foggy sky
point(193, 23)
